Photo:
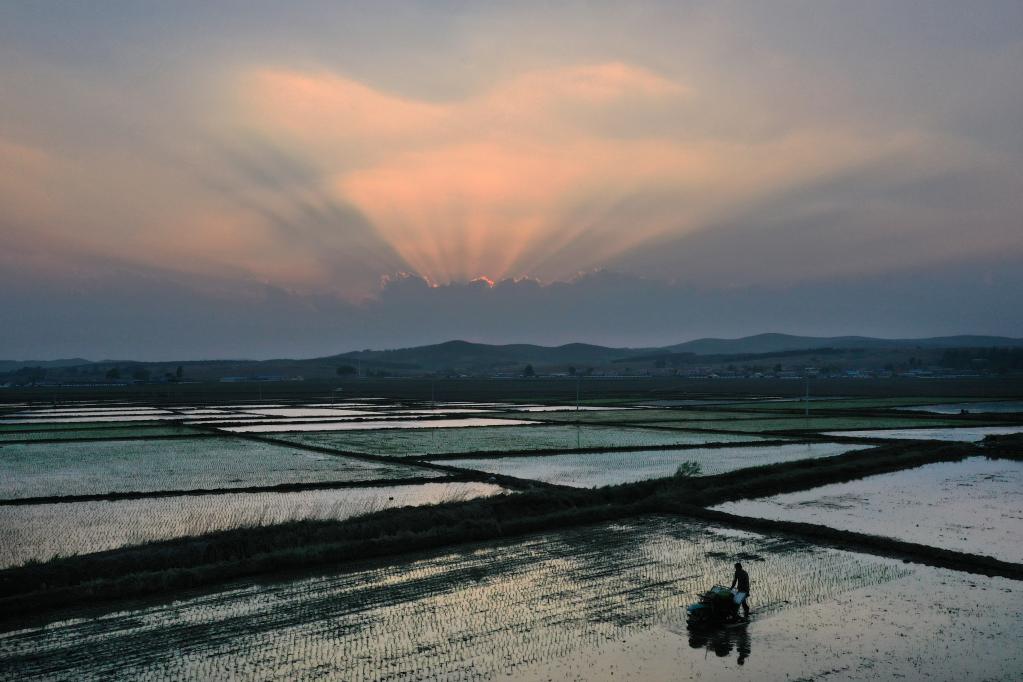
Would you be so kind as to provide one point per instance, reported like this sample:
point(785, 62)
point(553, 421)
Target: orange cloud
point(497, 182)
point(27, 186)
point(309, 105)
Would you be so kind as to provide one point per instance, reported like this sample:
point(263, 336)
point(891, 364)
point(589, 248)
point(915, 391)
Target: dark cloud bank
point(138, 314)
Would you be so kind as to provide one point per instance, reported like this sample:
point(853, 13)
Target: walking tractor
point(716, 608)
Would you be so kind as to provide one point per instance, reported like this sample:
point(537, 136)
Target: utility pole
point(806, 400)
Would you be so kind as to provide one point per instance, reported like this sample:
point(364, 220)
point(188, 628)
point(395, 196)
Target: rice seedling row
point(494, 609)
point(43, 531)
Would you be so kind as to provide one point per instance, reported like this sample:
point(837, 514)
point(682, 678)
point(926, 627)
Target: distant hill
point(773, 343)
point(467, 355)
point(481, 358)
point(15, 365)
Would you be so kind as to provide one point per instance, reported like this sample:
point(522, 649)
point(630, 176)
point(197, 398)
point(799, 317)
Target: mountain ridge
point(460, 354)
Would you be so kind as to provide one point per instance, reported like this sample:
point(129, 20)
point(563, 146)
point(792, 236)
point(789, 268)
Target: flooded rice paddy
point(560, 408)
point(52, 469)
point(962, 434)
point(505, 438)
point(309, 412)
point(994, 407)
point(77, 409)
point(648, 415)
point(973, 506)
point(813, 423)
point(95, 431)
point(362, 426)
point(830, 403)
point(589, 470)
point(6, 429)
point(598, 603)
point(38, 532)
point(62, 415)
point(70, 419)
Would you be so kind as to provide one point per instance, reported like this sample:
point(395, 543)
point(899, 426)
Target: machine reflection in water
point(723, 642)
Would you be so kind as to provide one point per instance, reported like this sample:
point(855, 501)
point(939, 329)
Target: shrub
point(688, 469)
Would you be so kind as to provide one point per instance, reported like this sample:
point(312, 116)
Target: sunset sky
point(248, 179)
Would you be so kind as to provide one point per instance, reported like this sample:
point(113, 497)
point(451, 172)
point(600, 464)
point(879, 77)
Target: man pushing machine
point(740, 587)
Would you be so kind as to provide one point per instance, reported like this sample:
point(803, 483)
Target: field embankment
point(862, 542)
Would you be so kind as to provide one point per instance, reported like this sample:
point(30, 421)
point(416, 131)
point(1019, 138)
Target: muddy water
point(971, 506)
point(601, 603)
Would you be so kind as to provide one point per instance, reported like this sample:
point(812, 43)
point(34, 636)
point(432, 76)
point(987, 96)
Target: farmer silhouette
point(740, 583)
point(743, 645)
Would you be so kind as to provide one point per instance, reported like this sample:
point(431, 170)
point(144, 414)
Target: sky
point(250, 180)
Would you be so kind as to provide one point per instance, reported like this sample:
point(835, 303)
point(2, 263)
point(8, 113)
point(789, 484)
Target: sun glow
point(534, 176)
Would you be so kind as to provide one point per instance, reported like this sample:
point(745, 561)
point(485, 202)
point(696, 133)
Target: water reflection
point(723, 642)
